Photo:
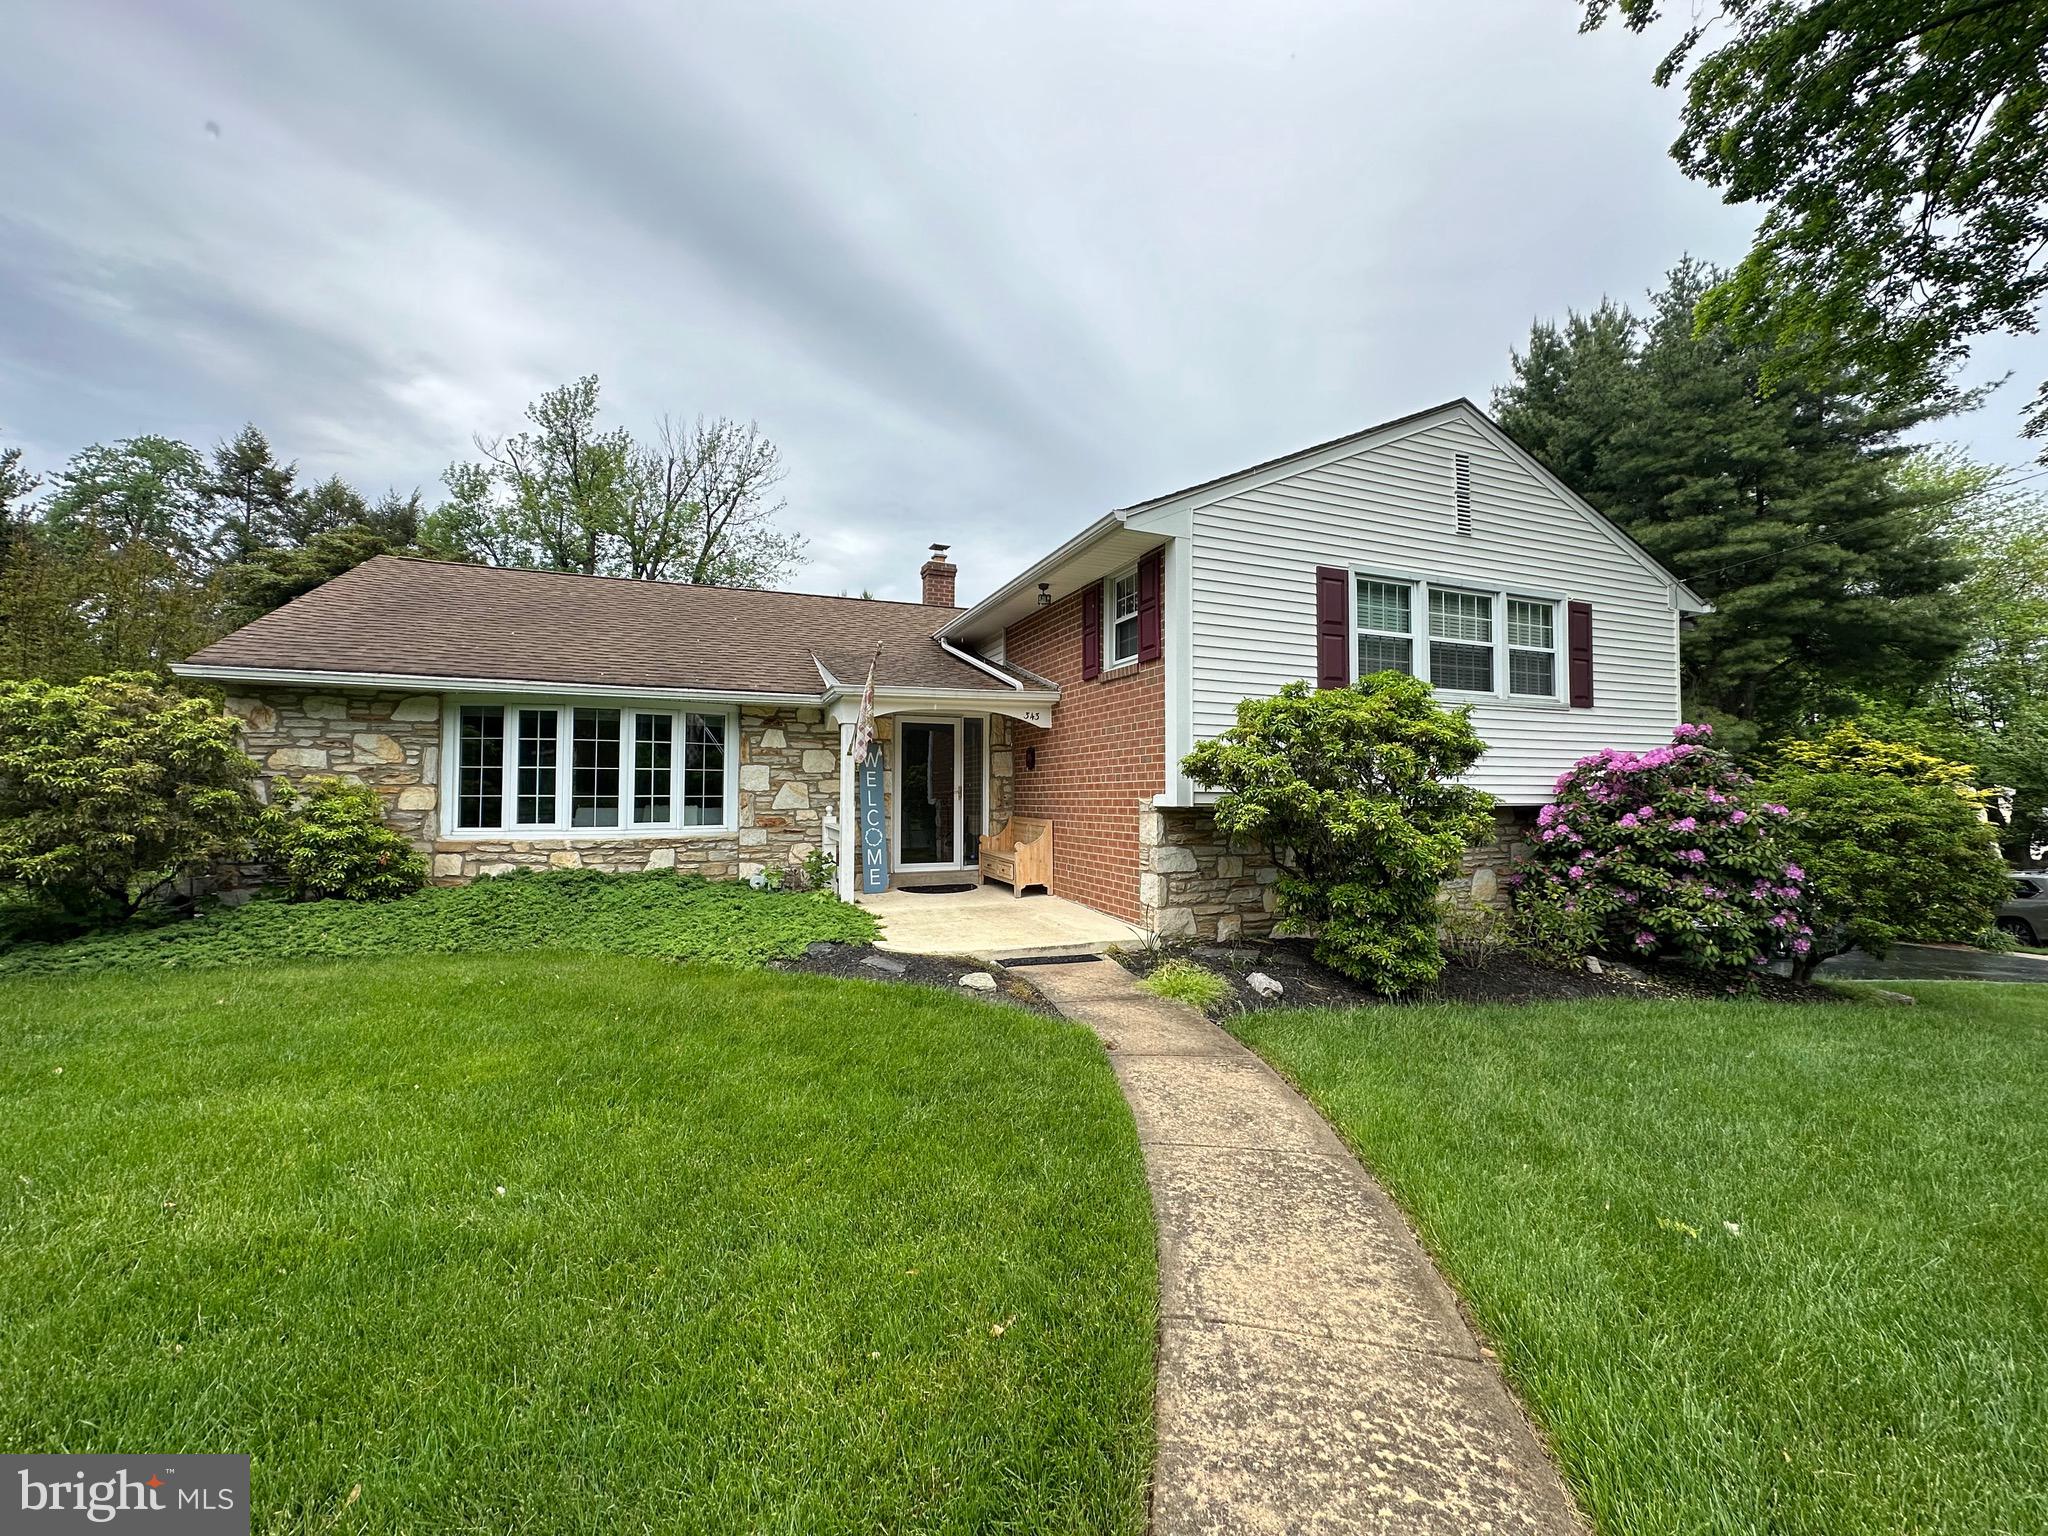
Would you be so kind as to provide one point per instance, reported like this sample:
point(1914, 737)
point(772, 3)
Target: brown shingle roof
point(429, 618)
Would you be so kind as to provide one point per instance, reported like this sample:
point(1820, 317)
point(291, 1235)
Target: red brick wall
point(1103, 757)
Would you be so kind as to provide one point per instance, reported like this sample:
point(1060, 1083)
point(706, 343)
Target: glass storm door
point(928, 794)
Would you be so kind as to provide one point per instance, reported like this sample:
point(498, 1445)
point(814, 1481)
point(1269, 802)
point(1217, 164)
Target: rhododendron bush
point(1666, 854)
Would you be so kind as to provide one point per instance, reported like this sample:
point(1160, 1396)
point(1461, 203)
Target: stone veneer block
point(418, 797)
point(818, 761)
point(754, 777)
point(421, 706)
point(793, 796)
point(378, 749)
point(297, 757)
point(324, 706)
point(772, 739)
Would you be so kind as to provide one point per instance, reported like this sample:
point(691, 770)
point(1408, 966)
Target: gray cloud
point(983, 271)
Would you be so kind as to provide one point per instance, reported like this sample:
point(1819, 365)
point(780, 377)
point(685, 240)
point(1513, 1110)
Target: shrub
point(1664, 854)
point(110, 789)
point(1846, 749)
point(1353, 793)
point(330, 841)
point(1891, 858)
point(1183, 981)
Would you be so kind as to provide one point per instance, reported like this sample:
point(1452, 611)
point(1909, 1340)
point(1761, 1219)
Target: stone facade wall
point(1195, 886)
point(787, 761)
point(1098, 764)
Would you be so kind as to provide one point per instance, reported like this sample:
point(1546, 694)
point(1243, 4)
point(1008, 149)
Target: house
point(519, 718)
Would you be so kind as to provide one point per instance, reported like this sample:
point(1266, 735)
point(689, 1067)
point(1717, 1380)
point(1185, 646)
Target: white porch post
point(848, 815)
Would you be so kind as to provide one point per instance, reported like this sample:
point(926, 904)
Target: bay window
point(579, 769)
point(1457, 638)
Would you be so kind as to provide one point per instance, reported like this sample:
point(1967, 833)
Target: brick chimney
point(938, 576)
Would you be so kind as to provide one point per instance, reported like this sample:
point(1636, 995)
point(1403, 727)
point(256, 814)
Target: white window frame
point(1419, 637)
point(1555, 650)
point(1110, 660)
point(559, 830)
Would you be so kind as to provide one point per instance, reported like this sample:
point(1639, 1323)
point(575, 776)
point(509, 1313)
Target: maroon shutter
point(1333, 627)
point(1091, 631)
point(1149, 571)
point(1578, 630)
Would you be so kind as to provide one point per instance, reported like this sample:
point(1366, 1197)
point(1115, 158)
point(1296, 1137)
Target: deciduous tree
point(1899, 149)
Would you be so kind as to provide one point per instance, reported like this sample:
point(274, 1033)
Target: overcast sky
point(982, 269)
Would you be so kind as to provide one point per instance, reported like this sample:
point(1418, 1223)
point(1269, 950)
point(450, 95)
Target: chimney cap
point(939, 551)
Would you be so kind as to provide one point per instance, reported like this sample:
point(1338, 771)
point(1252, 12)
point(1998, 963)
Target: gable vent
point(1464, 493)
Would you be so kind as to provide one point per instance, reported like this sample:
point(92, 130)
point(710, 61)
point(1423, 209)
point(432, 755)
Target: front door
point(928, 797)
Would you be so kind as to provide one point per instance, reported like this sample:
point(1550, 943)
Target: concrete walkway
point(988, 923)
point(1314, 1372)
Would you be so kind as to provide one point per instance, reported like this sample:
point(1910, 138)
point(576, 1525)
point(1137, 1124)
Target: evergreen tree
point(316, 509)
point(252, 494)
point(1829, 574)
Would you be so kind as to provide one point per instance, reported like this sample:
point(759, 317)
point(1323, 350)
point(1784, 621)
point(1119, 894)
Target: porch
point(988, 923)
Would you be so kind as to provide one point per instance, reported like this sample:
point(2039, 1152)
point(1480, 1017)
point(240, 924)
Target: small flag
point(864, 727)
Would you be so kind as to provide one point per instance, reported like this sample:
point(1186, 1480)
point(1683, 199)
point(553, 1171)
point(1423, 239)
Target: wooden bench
point(1020, 855)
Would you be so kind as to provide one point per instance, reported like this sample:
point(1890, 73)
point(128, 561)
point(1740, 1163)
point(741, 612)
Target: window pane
point(1461, 666)
point(1124, 640)
point(1127, 596)
point(1383, 653)
point(1529, 624)
point(1460, 616)
point(972, 753)
point(480, 776)
point(654, 738)
point(703, 770)
point(1383, 605)
point(1532, 672)
point(537, 763)
point(594, 768)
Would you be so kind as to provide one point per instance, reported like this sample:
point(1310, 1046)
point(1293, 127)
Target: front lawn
point(660, 915)
point(569, 1244)
point(1754, 1267)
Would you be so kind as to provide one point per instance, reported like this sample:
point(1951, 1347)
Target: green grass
point(658, 915)
point(1186, 982)
point(572, 1244)
point(1866, 1350)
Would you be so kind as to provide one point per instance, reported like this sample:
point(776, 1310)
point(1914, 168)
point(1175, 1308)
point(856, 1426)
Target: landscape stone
point(980, 981)
point(884, 964)
point(1263, 984)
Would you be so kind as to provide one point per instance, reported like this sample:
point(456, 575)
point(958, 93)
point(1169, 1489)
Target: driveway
point(1935, 962)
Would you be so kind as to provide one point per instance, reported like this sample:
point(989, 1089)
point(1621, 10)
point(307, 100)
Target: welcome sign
point(874, 829)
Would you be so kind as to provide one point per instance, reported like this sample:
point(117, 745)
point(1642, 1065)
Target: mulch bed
point(864, 962)
point(1503, 977)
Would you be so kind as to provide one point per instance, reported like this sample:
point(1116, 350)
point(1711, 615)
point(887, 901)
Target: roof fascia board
point(1080, 541)
point(208, 672)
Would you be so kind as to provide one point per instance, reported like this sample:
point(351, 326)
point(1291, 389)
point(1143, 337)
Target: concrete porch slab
point(988, 923)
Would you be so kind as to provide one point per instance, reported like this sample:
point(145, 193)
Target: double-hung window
point(1121, 620)
point(1460, 639)
point(1386, 626)
point(576, 768)
point(1532, 648)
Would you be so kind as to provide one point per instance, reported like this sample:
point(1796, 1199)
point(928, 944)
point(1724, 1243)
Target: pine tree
point(1829, 574)
point(251, 492)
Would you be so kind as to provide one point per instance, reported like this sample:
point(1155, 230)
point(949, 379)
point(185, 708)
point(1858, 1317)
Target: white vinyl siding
point(1388, 510)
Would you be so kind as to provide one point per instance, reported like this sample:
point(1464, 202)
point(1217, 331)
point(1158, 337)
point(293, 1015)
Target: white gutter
point(975, 661)
point(207, 672)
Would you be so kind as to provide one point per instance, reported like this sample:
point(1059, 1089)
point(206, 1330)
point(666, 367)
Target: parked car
point(2025, 917)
